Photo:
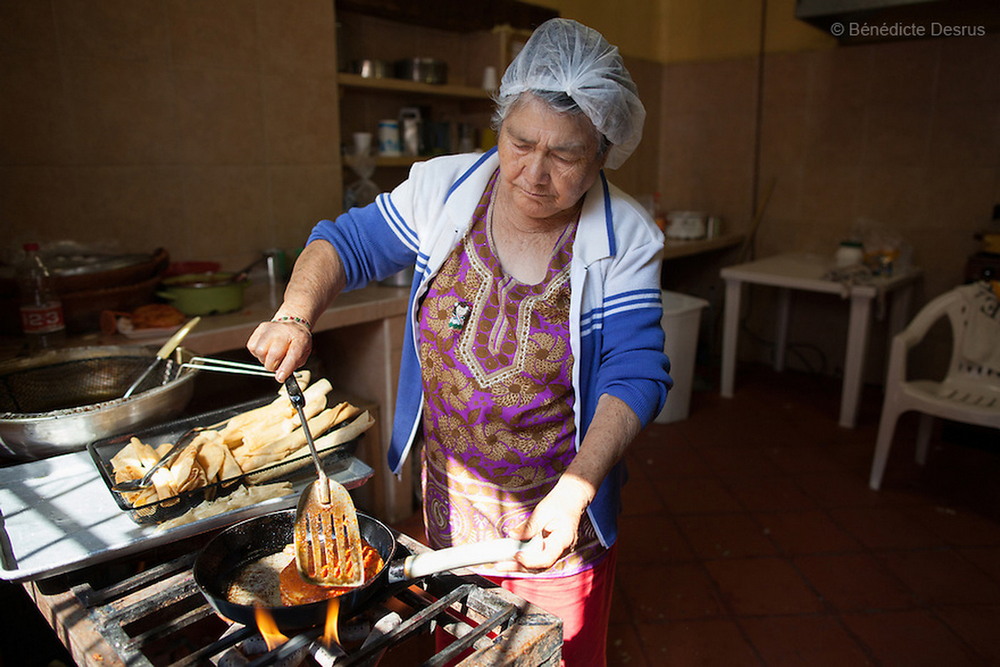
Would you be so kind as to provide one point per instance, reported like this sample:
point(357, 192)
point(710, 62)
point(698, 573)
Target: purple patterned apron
point(498, 424)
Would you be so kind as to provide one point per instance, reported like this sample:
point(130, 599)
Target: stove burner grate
point(158, 617)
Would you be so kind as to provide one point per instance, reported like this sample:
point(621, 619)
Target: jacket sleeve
point(373, 242)
point(633, 366)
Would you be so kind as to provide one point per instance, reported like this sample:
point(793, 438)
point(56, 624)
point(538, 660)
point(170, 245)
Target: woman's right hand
point(283, 347)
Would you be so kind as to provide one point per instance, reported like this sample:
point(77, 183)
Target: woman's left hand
point(553, 525)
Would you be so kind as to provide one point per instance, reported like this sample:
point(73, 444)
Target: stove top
point(146, 610)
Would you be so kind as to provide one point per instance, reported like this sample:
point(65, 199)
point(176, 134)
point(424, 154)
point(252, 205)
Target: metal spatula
point(327, 539)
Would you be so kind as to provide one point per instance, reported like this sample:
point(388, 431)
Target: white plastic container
point(681, 321)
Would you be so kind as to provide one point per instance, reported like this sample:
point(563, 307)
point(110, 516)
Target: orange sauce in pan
point(295, 590)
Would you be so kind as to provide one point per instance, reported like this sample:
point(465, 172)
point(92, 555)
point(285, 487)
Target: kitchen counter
point(677, 248)
point(358, 340)
point(219, 333)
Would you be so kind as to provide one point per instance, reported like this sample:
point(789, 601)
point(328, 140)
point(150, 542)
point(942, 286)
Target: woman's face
point(548, 160)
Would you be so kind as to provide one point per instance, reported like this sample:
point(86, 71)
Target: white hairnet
point(568, 57)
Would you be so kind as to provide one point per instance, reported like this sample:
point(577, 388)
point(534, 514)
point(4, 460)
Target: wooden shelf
point(403, 86)
point(675, 248)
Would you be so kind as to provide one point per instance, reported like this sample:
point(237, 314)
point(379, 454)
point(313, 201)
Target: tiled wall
point(207, 128)
point(904, 134)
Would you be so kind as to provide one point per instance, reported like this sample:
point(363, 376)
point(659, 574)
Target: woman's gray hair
point(566, 59)
point(559, 102)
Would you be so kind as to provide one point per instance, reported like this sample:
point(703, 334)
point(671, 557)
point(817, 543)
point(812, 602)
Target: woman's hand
point(556, 519)
point(553, 526)
point(283, 347)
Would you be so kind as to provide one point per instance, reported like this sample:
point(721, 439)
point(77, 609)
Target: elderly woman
point(533, 352)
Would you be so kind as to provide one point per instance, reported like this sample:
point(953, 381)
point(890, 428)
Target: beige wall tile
point(640, 174)
point(297, 36)
point(710, 87)
point(829, 195)
point(904, 72)
point(218, 34)
point(965, 134)
point(784, 130)
point(300, 119)
point(225, 214)
point(893, 195)
point(835, 134)
point(219, 117)
point(27, 28)
point(838, 77)
point(39, 204)
point(301, 196)
point(136, 206)
point(896, 134)
point(784, 182)
point(969, 70)
point(35, 112)
point(115, 29)
point(124, 111)
point(941, 252)
point(957, 198)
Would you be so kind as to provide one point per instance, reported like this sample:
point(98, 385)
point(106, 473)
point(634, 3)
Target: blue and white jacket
point(615, 309)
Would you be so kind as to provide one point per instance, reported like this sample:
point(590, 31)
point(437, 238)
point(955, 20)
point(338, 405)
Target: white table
point(801, 271)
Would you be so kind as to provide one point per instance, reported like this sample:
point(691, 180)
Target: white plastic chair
point(969, 393)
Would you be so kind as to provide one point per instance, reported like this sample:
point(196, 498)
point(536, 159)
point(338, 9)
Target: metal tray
point(101, 451)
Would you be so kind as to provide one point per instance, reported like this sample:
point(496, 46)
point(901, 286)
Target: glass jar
point(849, 253)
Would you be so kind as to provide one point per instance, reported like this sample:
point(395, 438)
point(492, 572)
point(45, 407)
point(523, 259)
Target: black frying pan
point(234, 548)
point(230, 551)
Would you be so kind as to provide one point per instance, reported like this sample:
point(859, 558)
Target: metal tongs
point(226, 366)
point(327, 539)
point(163, 353)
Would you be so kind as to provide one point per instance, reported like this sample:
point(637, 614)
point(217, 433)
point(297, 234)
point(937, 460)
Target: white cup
point(362, 143)
point(490, 78)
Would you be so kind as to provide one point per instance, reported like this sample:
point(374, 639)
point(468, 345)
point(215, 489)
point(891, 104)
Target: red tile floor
point(750, 537)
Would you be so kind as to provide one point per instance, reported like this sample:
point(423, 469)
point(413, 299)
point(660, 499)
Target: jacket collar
point(595, 238)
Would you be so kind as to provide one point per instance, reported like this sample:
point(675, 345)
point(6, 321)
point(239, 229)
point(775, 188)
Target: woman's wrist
point(575, 491)
point(292, 319)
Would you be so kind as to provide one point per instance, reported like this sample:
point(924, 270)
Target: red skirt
point(582, 601)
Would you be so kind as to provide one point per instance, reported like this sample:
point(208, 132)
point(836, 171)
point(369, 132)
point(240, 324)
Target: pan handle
point(452, 558)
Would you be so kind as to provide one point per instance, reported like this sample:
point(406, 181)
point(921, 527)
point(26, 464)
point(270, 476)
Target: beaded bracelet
point(292, 318)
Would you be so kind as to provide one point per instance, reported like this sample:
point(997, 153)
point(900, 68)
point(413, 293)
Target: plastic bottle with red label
point(42, 317)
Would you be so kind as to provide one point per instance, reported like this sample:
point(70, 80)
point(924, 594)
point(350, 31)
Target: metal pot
point(422, 70)
point(205, 293)
point(61, 400)
point(371, 68)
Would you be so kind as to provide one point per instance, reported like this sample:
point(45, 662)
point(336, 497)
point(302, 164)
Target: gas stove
point(146, 610)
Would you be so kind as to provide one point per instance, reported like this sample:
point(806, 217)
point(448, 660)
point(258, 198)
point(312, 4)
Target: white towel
point(982, 338)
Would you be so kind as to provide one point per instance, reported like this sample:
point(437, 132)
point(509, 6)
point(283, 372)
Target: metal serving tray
point(164, 509)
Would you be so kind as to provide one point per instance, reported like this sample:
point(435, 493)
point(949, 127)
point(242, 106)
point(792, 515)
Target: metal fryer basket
point(59, 400)
point(75, 384)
